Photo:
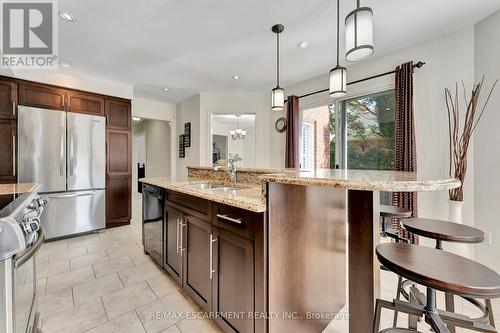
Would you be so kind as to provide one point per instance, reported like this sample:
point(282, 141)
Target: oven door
point(25, 301)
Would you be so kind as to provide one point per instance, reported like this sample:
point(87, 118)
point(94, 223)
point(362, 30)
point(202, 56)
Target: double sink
point(214, 187)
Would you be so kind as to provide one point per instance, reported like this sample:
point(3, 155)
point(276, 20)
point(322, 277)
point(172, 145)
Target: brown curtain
point(404, 145)
point(292, 134)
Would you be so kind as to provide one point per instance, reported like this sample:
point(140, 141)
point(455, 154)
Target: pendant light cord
point(338, 33)
point(278, 59)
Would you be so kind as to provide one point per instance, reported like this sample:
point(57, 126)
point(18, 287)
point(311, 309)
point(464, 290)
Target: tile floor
point(103, 283)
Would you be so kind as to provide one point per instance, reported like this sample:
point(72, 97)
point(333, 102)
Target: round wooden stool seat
point(394, 212)
point(444, 230)
point(440, 270)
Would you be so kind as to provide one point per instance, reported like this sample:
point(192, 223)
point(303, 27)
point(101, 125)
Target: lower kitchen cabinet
point(233, 282)
point(173, 255)
point(118, 201)
point(196, 277)
point(7, 151)
point(213, 258)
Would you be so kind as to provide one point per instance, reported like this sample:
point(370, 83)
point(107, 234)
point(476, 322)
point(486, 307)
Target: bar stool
point(451, 232)
point(387, 213)
point(436, 270)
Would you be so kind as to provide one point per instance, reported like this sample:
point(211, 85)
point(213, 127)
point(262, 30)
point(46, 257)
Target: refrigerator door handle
point(72, 195)
point(71, 153)
point(61, 151)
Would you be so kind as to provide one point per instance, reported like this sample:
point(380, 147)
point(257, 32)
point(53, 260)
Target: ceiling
point(193, 46)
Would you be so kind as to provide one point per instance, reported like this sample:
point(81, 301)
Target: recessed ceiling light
point(303, 45)
point(236, 77)
point(67, 16)
point(166, 89)
point(136, 119)
point(64, 64)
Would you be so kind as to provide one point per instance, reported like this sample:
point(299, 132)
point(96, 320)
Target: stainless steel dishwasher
point(152, 227)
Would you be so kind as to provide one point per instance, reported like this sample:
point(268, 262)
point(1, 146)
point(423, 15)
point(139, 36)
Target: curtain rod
point(417, 65)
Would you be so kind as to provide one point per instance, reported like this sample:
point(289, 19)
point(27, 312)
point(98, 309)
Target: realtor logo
point(29, 34)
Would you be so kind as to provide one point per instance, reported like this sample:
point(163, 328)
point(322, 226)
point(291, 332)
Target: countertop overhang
point(364, 180)
point(18, 188)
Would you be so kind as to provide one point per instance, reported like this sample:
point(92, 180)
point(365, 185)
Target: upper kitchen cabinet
point(85, 103)
point(42, 96)
point(118, 114)
point(7, 151)
point(8, 99)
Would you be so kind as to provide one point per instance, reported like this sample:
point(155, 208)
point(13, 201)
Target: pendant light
point(338, 75)
point(359, 33)
point(278, 93)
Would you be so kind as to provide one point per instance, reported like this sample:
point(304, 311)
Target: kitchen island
point(280, 243)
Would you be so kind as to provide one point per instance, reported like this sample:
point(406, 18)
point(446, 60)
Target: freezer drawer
point(72, 213)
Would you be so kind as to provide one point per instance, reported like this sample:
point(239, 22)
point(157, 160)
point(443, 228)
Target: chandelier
point(238, 133)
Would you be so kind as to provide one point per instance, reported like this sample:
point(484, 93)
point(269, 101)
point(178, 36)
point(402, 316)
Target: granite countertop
point(367, 180)
point(249, 196)
point(18, 188)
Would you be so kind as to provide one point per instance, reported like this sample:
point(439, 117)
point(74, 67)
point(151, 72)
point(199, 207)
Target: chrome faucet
point(230, 169)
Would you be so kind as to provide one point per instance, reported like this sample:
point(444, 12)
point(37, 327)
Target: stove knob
point(31, 225)
point(42, 201)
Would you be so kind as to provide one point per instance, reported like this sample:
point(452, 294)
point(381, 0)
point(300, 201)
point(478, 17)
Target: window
point(368, 131)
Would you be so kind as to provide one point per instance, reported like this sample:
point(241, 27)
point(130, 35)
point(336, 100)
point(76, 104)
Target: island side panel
point(306, 255)
point(364, 270)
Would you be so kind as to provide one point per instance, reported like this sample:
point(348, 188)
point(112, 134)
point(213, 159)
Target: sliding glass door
point(355, 133)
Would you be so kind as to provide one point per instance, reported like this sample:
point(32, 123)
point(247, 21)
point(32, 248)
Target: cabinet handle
point(211, 268)
point(13, 108)
point(227, 218)
point(177, 237)
point(181, 248)
point(63, 101)
point(14, 155)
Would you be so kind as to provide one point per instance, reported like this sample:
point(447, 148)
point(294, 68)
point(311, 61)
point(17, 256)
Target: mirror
point(233, 134)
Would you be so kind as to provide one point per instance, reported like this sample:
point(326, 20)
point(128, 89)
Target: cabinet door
point(195, 245)
point(85, 103)
point(118, 152)
point(118, 201)
point(233, 280)
point(41, 96)
point(8, 100)
point(173, 255)
point(118, 114)
point(7, 151)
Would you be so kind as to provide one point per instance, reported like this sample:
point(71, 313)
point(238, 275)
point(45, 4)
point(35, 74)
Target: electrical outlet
point(488, 240)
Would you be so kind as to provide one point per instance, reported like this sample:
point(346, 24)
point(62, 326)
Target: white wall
point(151, 109)
point(448, 59)
point(486, 141)
point(189, 111)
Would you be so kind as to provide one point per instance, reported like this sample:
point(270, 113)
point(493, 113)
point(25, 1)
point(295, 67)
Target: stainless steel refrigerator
point(66, 153)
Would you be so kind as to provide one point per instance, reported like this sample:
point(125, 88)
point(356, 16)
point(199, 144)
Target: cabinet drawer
point(236, 220)
point(189, 204)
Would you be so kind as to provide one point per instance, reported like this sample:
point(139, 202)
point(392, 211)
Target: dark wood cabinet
point(216, 253)
point(173, 255)
point(195, 245)
point(233, 280)
point(118, 146)
point(8, 99)
point(118, 201)
point(85, 103)
point(7, 151)
point(42, 96)
point(118, 114)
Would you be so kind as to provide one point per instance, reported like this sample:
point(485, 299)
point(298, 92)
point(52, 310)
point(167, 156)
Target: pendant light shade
point(338, 75)
point(278, 99)
point(359, 33)
point(338, 82)
point(278, 93)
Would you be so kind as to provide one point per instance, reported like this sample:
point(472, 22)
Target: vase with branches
point(460, 135)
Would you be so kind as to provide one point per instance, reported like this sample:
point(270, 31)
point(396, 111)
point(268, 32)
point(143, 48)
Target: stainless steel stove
point(21, 236)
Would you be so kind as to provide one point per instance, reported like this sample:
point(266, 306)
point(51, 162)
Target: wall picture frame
point(187, 134)
point(182, 147)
